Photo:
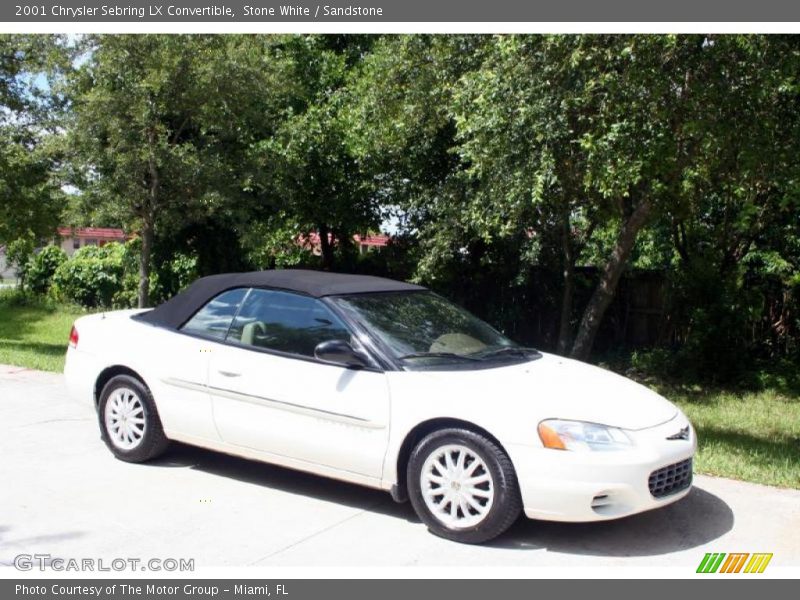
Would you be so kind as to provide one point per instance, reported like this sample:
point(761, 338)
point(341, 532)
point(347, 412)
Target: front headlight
point(577, 435)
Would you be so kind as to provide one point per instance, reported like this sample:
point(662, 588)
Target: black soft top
point(180, 308)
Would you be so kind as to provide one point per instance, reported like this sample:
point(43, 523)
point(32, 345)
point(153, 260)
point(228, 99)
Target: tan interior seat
point(251, 330)
point(460, 343)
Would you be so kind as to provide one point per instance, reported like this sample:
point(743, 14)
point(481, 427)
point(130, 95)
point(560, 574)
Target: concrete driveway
point(62, 493)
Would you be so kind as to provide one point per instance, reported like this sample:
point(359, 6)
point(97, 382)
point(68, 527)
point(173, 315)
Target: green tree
point(30, 199)
point(19, 253)
point(734, 221)
point(570, 148)
point(156, 129)
point(309, 166)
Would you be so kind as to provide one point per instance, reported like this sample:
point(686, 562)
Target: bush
point(714, 312)
point(108, 276)
point(92, 277)
point(16, 298)
point(18, 253)
point(657, 362)
point(167, 277)
point(41, 268)
point(182, 270)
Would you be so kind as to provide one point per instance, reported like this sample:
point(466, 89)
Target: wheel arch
point(108, 373)
point(399, 490)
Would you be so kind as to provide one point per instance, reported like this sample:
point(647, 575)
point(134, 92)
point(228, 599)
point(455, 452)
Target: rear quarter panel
point(157, 355)
point(97, 349)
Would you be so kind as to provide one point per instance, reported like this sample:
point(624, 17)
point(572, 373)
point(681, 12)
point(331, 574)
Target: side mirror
point(340, 352)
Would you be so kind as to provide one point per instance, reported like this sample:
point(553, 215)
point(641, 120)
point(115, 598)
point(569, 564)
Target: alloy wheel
point(457, 486)
point(125, 419)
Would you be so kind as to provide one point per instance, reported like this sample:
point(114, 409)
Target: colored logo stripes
point(735, 562)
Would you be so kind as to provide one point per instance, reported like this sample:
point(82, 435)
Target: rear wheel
point(129, 422)
point(463, 486)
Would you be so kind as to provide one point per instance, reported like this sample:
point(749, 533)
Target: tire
point(129, 422)
point(477, 503)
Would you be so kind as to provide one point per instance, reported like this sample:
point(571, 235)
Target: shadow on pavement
point(699, 518)
point(286, 480)
point(11, 547)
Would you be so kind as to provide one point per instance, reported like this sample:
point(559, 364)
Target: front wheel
point(129, 422)
point(463, 486)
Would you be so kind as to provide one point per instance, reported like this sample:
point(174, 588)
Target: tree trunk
point(605, 290)
point(326, 247)
point(144, 262)
point(568, 289)
point(148, 222)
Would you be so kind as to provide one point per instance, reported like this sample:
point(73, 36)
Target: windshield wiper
point(511, 351)
point(440, 355)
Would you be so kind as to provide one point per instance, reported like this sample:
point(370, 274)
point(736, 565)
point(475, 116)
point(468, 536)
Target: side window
point(285, 322)
point(214, 319)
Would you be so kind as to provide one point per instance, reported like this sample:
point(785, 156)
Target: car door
point(271, 394)
point(181, 361)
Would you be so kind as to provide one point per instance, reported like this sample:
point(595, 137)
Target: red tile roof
point(100, 233)
point(372, 240)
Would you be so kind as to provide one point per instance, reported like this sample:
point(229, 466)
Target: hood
point(569, 389)
point(558, 388)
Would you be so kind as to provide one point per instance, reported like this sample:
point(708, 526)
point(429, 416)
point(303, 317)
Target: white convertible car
point(384, 384)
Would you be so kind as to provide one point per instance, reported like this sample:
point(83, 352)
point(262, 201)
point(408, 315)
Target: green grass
point(748, 429)
point(748, 435)
point(34, 333)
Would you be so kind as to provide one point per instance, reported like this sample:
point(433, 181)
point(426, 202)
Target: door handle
point(229, 374)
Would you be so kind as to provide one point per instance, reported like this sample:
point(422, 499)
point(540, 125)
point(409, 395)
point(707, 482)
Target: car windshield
point(423, 329)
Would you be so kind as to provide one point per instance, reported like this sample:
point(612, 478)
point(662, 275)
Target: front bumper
point(558, 485)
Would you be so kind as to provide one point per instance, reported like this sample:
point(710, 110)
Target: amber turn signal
point(550, 438)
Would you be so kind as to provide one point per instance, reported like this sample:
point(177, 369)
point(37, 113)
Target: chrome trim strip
point(682, 434)
point(277, 404)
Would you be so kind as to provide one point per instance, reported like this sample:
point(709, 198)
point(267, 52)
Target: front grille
point(671, 479)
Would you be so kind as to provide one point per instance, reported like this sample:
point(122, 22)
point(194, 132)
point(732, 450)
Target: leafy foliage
point(156, 128)
point(18, 253)
point(41, 268)
point(108, 276)
point(30, 200)
point(600, 151)
point(532, 178)
point(92, 277)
